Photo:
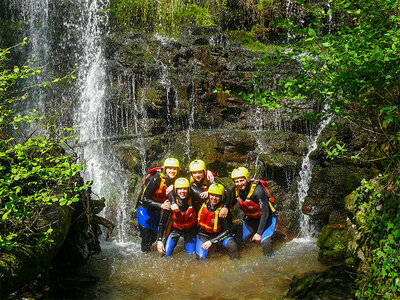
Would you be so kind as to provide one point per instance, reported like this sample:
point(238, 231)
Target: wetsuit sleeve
point(225, 231)
point(260, 196)
point(162, 224)
point(171, 197)
point(228, 198)
point(195, 195)
point(151, 187)
point(231, 199)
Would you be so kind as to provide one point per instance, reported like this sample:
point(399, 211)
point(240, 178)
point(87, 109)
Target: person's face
point(182, 192)
point(215, 199)
point(171, 172)
point(198, 176)
point(240, 183)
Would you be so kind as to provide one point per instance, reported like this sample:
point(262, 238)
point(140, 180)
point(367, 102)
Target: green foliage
point(171, 17)
point(165, 16)
point(379, 223)
point(35, 172)
point(249, 41)
point(353, 72)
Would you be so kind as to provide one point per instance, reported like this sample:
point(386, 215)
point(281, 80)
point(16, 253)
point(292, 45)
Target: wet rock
point(335, 283)
point(328, 187)
point(332, 243)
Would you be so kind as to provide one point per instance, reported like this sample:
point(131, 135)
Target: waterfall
point(306, 228)
point(36, 14)
point(89, 119)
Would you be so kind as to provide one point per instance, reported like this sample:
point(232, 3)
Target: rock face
point(161, 102)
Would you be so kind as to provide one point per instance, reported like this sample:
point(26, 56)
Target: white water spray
point(306, 229)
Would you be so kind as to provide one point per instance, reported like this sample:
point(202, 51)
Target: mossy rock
point(333, 284)
point(333, 244)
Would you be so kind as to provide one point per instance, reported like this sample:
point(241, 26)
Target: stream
point(126, 273)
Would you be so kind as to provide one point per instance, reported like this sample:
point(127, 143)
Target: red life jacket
point(203, 185)
point(160, 194)
point(208, 220)
point(185, 220)
point(249, 207)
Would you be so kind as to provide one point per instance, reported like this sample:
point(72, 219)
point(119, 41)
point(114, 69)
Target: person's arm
point(223, 213)
point(151, 187)
point(162, 224)
point(210, 176)
point(225, 230)
point(261, 197)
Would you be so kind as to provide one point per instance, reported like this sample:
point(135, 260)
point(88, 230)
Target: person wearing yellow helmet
point(200, 180)
point(153, 199)
point(184, 220)
point(213, 229)
point(254, 199)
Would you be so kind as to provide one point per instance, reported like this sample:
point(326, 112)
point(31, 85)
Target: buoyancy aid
point(160, 194)
point(249, 207)
point(184, 220)
point(208, 220)
point(203, 185)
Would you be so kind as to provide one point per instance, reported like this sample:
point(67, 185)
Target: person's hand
point(210, 176)
point(166, 205)
point(206, 245)
point(169, 189)
point(256, 238)
point(160, 247)
point(223, 213)
point(175, 207)
point(204, 195)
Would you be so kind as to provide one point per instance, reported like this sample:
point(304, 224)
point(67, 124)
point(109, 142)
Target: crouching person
point(254, 199)
point(212, 229)
point(183, 218)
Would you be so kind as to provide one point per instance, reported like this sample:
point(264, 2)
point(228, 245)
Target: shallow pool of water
point(126, 273)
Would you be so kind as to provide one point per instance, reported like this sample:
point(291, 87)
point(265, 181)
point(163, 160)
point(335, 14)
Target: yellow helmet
point(240, 172)
point(217, 189)
point(181, 183)
point(171, 162)
point(197, 165)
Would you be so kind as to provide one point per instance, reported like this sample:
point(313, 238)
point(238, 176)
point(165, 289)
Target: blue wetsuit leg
point(190, 246)
point(246, 231)
point(269, 231)
point(169, 246)
point(148, 218)
point(202, 253)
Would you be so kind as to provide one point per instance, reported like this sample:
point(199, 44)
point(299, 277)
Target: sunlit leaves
point(35, 172)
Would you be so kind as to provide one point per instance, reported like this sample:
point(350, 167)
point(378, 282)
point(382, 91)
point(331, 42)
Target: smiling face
point(182, 192)
point(171, 172)
point(198, 176)
point(240, 183)
point(215, 199)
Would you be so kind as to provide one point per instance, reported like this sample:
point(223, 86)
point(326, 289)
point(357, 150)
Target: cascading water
point(102, 168)
point(123, 269)
point(306, 229)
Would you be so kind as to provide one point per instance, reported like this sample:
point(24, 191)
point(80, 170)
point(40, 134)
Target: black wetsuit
point(254, 225)
point(188, 234)
point(149, 210)
point(223, 237)
point(197, 188)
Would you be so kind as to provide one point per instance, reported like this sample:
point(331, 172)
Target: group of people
point(199, 210)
